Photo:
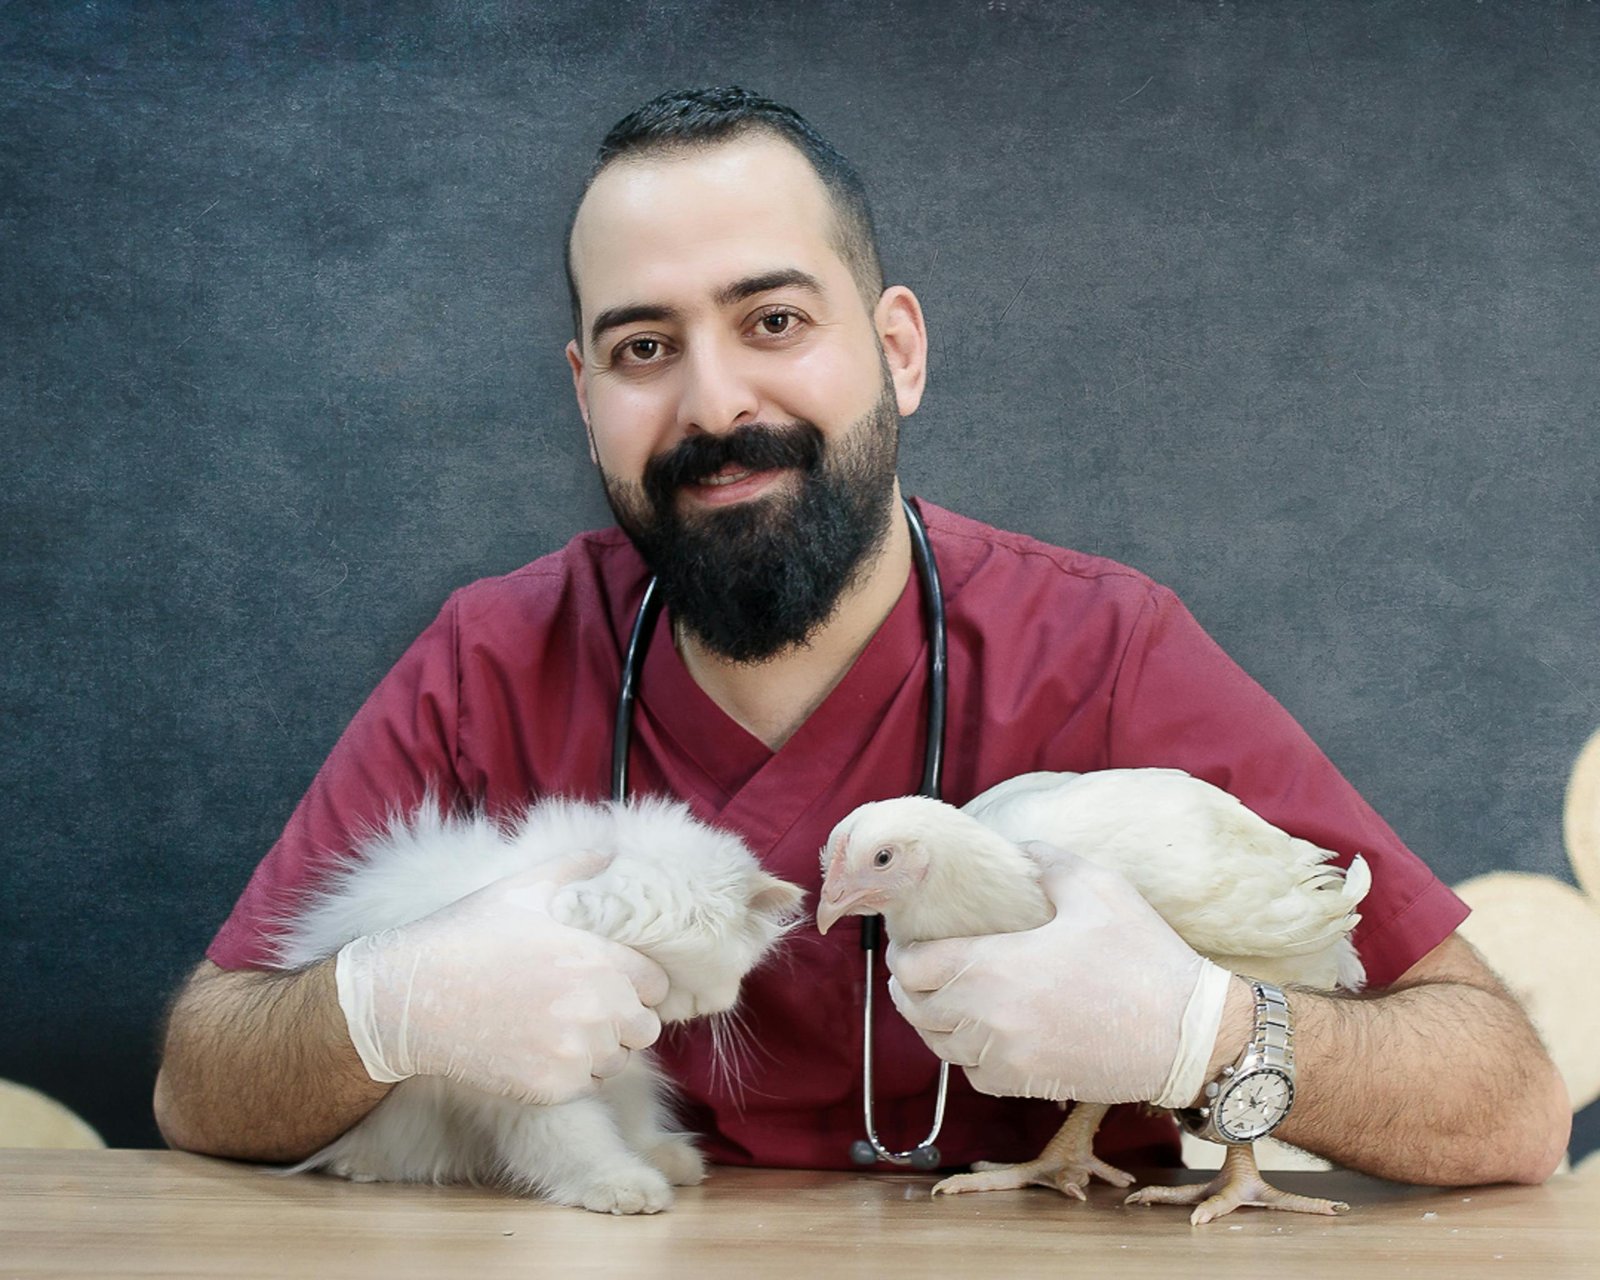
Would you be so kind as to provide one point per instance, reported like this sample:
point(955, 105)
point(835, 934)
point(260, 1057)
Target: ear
point(770, 896)
point(575, 360)
point(898, 320)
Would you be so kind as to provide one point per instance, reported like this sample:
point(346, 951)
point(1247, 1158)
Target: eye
point(883, 857)
point(782, 323)
point(642, 350)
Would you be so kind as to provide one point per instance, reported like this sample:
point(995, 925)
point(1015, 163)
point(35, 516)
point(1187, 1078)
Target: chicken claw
point(1066, 1163)
point(1238, 1183)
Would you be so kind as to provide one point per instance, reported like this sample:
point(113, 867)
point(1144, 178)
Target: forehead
point(671, 225)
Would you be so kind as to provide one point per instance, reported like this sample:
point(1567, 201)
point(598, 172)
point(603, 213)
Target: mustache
point(756, 446)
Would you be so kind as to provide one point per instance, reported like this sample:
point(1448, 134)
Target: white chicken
point(1239, 891)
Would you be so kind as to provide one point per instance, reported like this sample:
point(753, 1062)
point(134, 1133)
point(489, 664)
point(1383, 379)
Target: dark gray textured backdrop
point(1292, 306)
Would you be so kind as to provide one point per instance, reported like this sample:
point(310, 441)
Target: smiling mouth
point(733, 484)
point(726, 476)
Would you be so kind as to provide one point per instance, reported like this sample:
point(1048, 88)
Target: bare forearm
point(1440, 1081)
point(259, 1065)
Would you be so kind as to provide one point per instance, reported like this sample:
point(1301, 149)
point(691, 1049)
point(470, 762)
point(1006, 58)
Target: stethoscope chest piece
point(925, 1159)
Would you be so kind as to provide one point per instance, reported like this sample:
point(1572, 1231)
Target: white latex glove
point(496, 993)
point(1105, 1003)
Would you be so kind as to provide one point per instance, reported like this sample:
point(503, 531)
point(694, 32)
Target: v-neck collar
point(771, 788)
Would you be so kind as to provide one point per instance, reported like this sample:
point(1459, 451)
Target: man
point(741, 371)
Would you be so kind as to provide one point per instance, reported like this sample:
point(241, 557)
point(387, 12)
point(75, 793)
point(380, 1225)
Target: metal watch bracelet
point(1269, 1053)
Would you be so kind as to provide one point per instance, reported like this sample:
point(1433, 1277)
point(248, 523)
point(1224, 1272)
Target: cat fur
point(687, 895)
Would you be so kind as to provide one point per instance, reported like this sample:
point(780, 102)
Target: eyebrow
point(784, 278)
point(737, 291)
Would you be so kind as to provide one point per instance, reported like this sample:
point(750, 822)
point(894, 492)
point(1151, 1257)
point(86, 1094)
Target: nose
point(718, 392)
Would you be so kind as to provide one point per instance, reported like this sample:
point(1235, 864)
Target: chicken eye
point(883, 857)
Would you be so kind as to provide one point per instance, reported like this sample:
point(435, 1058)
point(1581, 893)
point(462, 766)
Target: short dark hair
point(688, 118)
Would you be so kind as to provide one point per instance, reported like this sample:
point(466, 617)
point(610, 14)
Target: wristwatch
point(1250, 1098)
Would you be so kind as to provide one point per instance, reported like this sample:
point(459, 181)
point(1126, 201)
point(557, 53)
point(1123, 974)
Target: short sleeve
point(401, 746)
point(1180, 701)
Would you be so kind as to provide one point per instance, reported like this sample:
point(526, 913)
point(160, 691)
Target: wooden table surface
point(161, 1213)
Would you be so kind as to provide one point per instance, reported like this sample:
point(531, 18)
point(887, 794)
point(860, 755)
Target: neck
point(772, 699)
point(978, 882)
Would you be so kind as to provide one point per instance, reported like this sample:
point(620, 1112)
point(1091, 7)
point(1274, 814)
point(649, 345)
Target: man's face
point(742, 400)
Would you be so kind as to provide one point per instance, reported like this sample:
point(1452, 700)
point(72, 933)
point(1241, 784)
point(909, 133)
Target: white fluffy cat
point(687, 895)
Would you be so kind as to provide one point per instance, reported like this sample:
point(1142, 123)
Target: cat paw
point(640, 1190)
point(678, 1159)
point(350, 1170)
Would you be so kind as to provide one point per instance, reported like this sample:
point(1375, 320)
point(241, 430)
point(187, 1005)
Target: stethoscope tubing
point(925, 1155)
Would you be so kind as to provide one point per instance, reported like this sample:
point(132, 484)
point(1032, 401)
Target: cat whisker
point(736, 1049)
point(726, 1067)
point(733, 1050)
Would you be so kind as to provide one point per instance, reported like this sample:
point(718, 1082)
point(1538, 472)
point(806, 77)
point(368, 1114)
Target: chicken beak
point(835, 904)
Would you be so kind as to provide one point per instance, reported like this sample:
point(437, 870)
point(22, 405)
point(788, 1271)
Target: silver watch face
point(1252, 1105)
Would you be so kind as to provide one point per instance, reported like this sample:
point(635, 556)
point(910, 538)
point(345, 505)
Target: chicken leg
point(1238, 1182)
point(1066, 1163)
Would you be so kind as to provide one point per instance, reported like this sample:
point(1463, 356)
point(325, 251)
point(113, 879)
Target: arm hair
point(258, 1065)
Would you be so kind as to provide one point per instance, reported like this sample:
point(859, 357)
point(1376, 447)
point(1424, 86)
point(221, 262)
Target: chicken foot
point(1066, 1163)
point(1239, 1182)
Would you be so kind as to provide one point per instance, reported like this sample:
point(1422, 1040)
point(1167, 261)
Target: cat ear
point(770, 896)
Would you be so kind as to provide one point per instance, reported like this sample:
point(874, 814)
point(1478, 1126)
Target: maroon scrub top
point(1058, 660)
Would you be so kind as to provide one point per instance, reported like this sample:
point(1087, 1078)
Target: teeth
point(726, 478)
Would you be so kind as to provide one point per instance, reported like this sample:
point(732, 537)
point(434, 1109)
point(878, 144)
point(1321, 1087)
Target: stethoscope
point(870, 1149)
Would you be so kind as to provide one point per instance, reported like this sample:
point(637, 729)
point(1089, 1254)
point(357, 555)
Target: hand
point(1105, 1003)
point(496, 993)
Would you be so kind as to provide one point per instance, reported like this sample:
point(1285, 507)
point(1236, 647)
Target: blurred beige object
point(1270, 1154)
point(1543, 938)
point(1582, 819)
point(29, 1119)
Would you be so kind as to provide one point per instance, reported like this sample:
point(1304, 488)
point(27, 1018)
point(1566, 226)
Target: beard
point(761, 577)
